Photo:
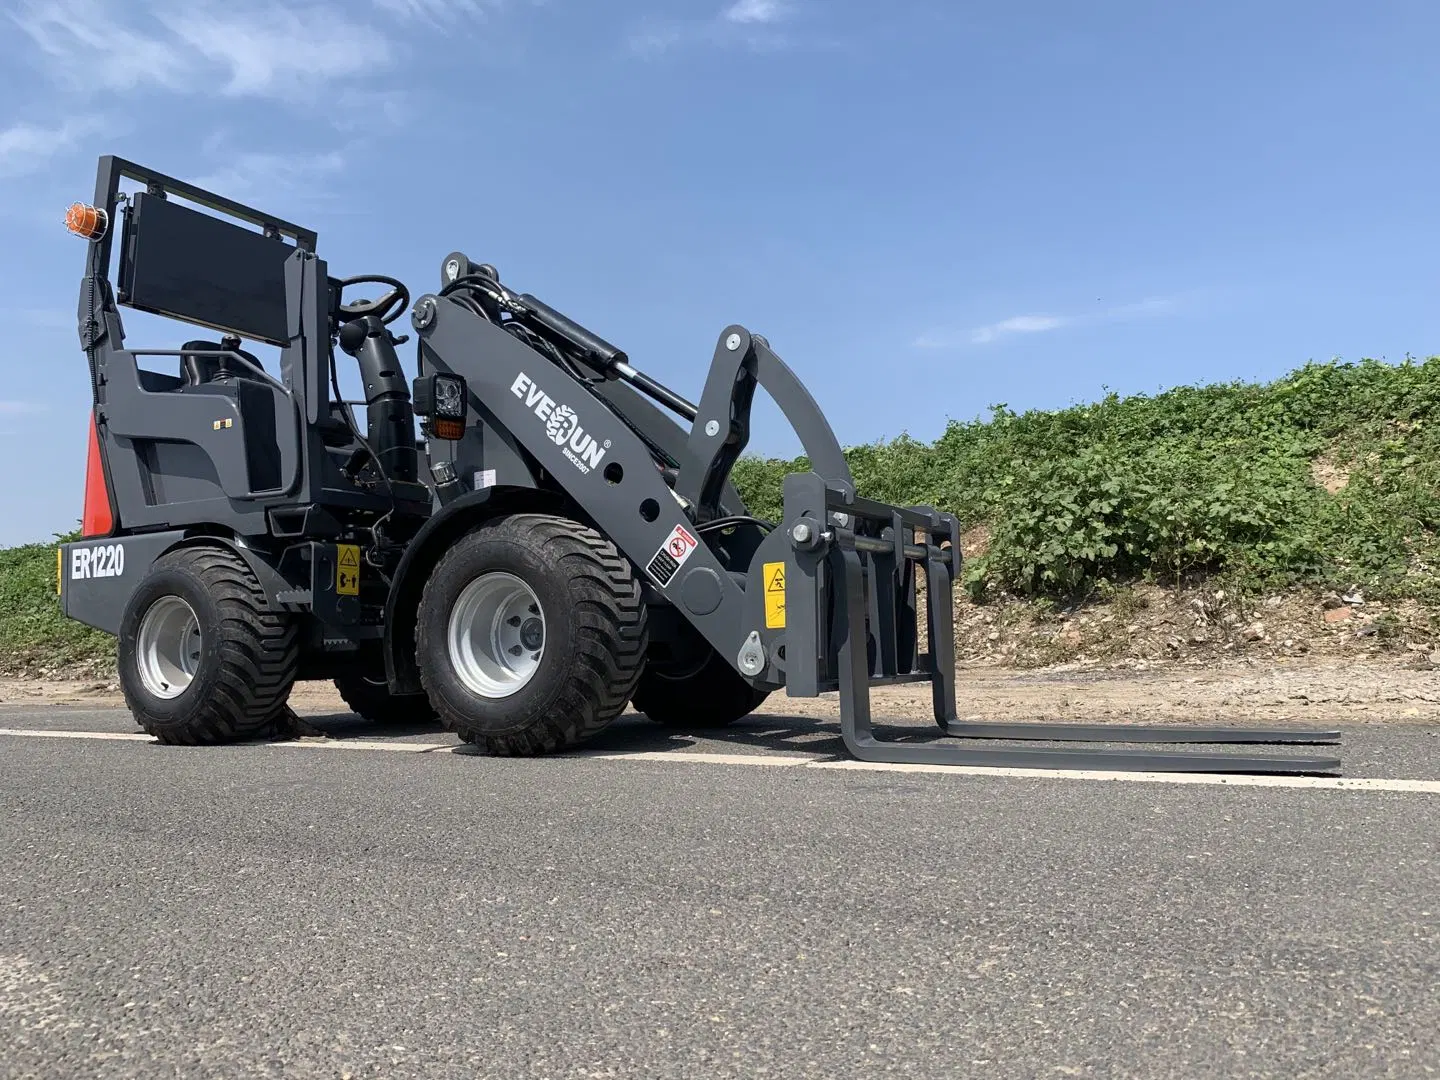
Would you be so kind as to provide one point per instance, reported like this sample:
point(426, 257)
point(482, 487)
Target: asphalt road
point(306, 911)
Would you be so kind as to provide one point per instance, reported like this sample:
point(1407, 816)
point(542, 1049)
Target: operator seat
point(195, 370)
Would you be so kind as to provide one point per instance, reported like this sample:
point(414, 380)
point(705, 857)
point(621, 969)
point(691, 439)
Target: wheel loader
point(518, 539)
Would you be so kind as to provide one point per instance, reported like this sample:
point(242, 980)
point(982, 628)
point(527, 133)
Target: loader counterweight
point(516, 540)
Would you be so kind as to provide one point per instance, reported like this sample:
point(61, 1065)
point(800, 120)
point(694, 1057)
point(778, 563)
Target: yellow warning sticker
point(774, 573)
point(347, 570)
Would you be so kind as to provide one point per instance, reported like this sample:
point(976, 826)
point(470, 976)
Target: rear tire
point(711, 694)
point(531, 635)
point(202, 657)
point(370, 699)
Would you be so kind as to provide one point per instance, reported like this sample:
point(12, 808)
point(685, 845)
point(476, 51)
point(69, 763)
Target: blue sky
point(926, 206)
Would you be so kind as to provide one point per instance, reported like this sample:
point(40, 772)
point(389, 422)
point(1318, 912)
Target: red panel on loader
point(98, 519)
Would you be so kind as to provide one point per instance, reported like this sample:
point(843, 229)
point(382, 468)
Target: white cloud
point(267, 49)
point(1158, 305)
point(20, 408)
point(748, 23)
point(1041, 323)
point(437, 12)
point(262, 178)
point(755, 11)
point(276, 51)
point(1020, 324)
point(85, 47)
point(27, 147)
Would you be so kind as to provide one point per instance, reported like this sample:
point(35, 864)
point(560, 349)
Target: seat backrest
point(195, 369)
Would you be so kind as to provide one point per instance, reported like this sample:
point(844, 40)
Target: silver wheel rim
point(497, 635)
point(168, 647)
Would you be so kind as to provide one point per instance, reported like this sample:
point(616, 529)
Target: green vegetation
point(1329, 477)
point(1227, 481)
point(33, 633)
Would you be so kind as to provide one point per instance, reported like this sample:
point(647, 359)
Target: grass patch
point(35, 636)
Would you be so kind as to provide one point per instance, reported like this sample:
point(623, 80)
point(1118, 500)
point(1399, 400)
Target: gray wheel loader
point(521, 537)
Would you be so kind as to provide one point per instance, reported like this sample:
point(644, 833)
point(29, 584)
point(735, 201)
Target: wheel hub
point(532, 633)
point(496, 635)
point(168, 647)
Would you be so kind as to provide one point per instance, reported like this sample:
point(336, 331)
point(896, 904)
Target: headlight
point(449, 397)
point(444, 399)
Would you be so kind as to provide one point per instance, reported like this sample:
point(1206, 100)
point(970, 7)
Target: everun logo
point(561, 424)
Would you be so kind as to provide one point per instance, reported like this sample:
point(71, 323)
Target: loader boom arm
point(599, 461)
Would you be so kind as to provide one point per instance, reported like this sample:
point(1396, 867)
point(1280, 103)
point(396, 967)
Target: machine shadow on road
point(635, 734)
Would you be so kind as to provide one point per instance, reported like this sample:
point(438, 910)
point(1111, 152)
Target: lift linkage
point(851, 575)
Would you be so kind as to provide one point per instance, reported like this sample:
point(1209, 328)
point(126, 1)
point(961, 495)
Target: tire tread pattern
point(608, 616)
point(258, 649)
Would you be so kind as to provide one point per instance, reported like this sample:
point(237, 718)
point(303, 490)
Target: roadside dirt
point(1303, 691)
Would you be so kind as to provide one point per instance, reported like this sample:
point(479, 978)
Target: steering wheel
point(397, 298)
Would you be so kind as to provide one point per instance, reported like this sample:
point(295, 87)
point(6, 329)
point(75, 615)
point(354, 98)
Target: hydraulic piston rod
point(663, 394)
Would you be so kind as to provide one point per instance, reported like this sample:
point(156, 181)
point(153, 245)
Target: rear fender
point(96, 578)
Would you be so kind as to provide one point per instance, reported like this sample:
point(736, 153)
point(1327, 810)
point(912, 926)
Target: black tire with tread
point(249, 658)
point(373, 701)
point(595, 640)
point(712, 695)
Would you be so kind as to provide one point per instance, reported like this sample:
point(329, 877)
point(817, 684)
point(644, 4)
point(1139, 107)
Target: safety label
point(678, 546)
point(347, 570)
point(774, 573)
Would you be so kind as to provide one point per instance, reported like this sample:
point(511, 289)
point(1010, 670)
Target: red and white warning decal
point(678, 546)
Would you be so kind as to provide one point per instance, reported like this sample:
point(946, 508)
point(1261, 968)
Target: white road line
point(697, 758)
point(40, 733)
point(1336, 783)
point(1329, 783)
point(359, 744)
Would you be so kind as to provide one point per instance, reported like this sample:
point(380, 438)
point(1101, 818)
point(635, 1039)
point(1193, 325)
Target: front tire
point(531, 635)
point(202, 657)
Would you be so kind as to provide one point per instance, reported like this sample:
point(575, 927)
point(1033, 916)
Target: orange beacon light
point(86, 222)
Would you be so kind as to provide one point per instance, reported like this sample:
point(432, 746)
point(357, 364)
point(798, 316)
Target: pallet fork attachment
point(851, 600)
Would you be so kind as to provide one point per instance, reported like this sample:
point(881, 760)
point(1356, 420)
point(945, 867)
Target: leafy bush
point(33, 630)
point(1215, 480)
